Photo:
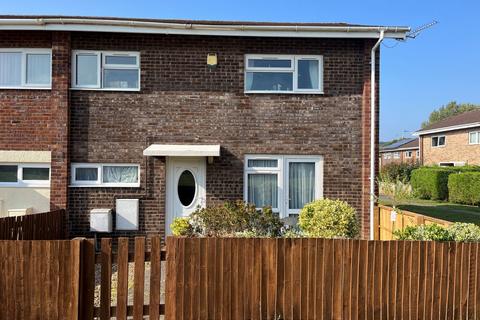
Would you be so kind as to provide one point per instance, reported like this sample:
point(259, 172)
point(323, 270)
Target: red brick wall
point(38, 119)
point(183, 101)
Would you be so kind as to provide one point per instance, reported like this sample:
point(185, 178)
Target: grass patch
point(439, 209)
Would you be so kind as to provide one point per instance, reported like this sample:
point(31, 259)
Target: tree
point(451, 109)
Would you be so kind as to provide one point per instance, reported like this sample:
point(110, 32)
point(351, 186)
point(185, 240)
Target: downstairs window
point(285, 183)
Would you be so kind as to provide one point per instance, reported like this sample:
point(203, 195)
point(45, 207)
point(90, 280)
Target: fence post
point(376, 223)
point(87, 279)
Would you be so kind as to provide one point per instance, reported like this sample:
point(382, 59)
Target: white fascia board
point(399, 149)
point(182, 150)
point(122, 26)
point(446, 129)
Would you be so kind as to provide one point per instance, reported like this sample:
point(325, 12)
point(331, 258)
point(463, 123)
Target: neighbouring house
point(152, 119)
point(403, 151)
point(454, 141)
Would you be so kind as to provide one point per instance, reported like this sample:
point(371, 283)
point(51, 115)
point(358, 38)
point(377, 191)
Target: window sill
point(104, 186)
point(105, 89)
point(25, 88)
point(285, 92)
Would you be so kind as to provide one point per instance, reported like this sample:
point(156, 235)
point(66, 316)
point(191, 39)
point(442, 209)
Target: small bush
point(464, 188)
point(430, 183)
point(432, 232)
point(233, 219)
point(329, 219)
point(467, 232)
point(397, 172)
point(462, 232)
point(181, 227)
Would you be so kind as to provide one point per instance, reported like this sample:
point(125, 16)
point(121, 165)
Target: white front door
point(185, 187)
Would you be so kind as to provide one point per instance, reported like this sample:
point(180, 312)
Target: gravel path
point(130, 284)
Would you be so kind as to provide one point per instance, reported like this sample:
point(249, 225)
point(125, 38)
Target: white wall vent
point(127, 214)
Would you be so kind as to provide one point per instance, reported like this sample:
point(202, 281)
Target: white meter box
point(127, 214)
point(101, 220)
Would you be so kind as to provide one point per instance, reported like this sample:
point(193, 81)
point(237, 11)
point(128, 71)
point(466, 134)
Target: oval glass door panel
point(187, 188)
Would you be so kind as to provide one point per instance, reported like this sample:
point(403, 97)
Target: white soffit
point(183, 150)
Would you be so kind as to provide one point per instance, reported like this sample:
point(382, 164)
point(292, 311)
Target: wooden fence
point(385, 226)
point(39, 279)
point(105, 260)
point(321, 279)
point(238, 278)
point(39, 226)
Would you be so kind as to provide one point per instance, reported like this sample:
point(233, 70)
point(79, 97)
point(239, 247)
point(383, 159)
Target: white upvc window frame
point(24, 52)
point(293, 69)
point(396, 155)
point(102, 66)
point(282, 171)
point(438, 141)
point(417, 153)
point(99, 182)
point(477, 133)
point(408, 154)
point(21, 183)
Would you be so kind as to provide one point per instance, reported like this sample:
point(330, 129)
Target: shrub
point(430, 183)
point(329, 219)
point(432, 232)
point(181, 227)
point(464, 188)
point(467, 232)
point(463, 232)
point(234, 219)
point(397, 172)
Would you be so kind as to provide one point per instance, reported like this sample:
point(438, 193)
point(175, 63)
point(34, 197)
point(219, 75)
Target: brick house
point(454, 141)
point(403, 151)
point(169, 115)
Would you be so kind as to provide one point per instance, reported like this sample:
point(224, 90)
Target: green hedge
point(430, 183)
point(464, 188)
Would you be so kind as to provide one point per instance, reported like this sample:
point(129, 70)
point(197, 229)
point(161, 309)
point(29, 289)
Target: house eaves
point(190, 27)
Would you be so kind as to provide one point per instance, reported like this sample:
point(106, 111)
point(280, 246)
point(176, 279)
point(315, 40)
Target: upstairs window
point(474, 137)
point(25, 68)
point(105, 70)
point(438, 141)
point(283, 74)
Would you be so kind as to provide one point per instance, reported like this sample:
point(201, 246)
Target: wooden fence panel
point(322, 279)
point(39, 226)
point(39, 279)
point(385, 226)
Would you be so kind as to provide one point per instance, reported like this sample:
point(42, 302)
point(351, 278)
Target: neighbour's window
point(418, 153)
point(474, 137)
point(396, 155)
point(105, 175)
point(387, 156)
point(25, 175)
point(25, 68)
point(106, 70)
point(438, 141)
point(285, 183)
point(408, 154)
point(283, 74)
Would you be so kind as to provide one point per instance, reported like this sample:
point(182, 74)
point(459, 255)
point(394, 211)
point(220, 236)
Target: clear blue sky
point(441, 65)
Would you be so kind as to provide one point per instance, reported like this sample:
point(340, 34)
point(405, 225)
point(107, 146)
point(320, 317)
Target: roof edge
point(446, 129)
point(200, 28)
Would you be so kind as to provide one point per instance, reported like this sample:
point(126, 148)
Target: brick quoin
point(183, 101)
